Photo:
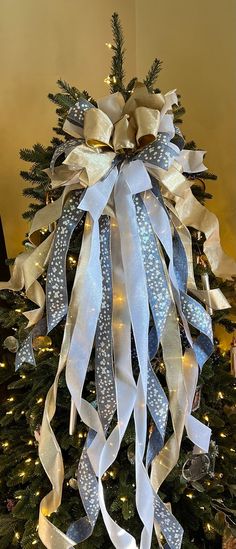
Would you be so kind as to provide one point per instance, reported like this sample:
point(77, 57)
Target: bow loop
point(124, 136)
point(148, 121)
point(98, 128)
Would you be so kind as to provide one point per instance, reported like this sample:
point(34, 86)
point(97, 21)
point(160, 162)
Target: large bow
point(115, 127)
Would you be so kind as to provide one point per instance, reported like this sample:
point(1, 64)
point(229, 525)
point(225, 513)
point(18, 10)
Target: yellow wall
point(197, 42)
point(41, 41)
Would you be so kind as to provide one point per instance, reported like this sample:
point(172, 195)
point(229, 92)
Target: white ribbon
point(197, 432)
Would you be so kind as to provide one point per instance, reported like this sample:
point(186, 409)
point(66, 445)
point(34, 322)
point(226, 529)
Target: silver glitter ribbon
point(105, 392)
point(56, 286)
point(104, 374)
point(25, 353)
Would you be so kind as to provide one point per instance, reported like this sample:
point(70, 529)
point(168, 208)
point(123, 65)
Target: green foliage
point(117, 64)
point(152, 74)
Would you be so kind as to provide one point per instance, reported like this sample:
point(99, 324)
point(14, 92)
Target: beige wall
point(41, 41)
point(196, 40)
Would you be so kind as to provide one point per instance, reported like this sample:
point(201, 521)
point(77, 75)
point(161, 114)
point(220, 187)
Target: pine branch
point(71, 90)
point(203, 175)
point(64, 100)
point(34, 176)
point(70, 96)
point(30, 213)
point(131, 84)
point(152, 74)
point(36, 193)
point(117, 70)
point(37, 155)
point(190, 145)
point(178, 113)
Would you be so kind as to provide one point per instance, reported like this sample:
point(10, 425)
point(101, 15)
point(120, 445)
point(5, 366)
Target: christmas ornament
point(233, 357)
point(11, 344)
point(10, 504)
point(37, 433)
point(131, 454)
point(73, 483)
point(197, 398)
point(196, 467)
point(41, 342)
point(122, 175)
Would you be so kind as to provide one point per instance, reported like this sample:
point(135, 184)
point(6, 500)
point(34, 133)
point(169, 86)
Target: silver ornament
point(196, 467)
point(11, 344)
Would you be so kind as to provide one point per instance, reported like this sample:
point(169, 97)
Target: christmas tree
point(199, 488)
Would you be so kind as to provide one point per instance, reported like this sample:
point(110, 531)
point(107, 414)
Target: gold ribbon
point(28, 267)
point(190, 212)
point(213, 298)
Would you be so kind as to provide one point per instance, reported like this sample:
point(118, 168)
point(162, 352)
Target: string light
point(19, 497)
point(9, 413)
point(190, 495)
point(22, 474)
point(223, 435)
point(232, 450)
point(107, 80)
point(206, 418)
point(108, 45)
point(11, 399)
point(34, 542)
point(30, 442)
point(5, 444)
point(81, 435)
point(39, 400)
point(28, 460)
point(72, 260)
point(220, 395)
point(2, 365)
point(123, 499)
point(18, 310)
point(36, 462)
point(209, 527)
point(23, 376)
point(17, 535)
point(119, 298)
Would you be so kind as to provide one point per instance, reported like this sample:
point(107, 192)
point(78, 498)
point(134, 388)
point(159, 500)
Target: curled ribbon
point(123, 173)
